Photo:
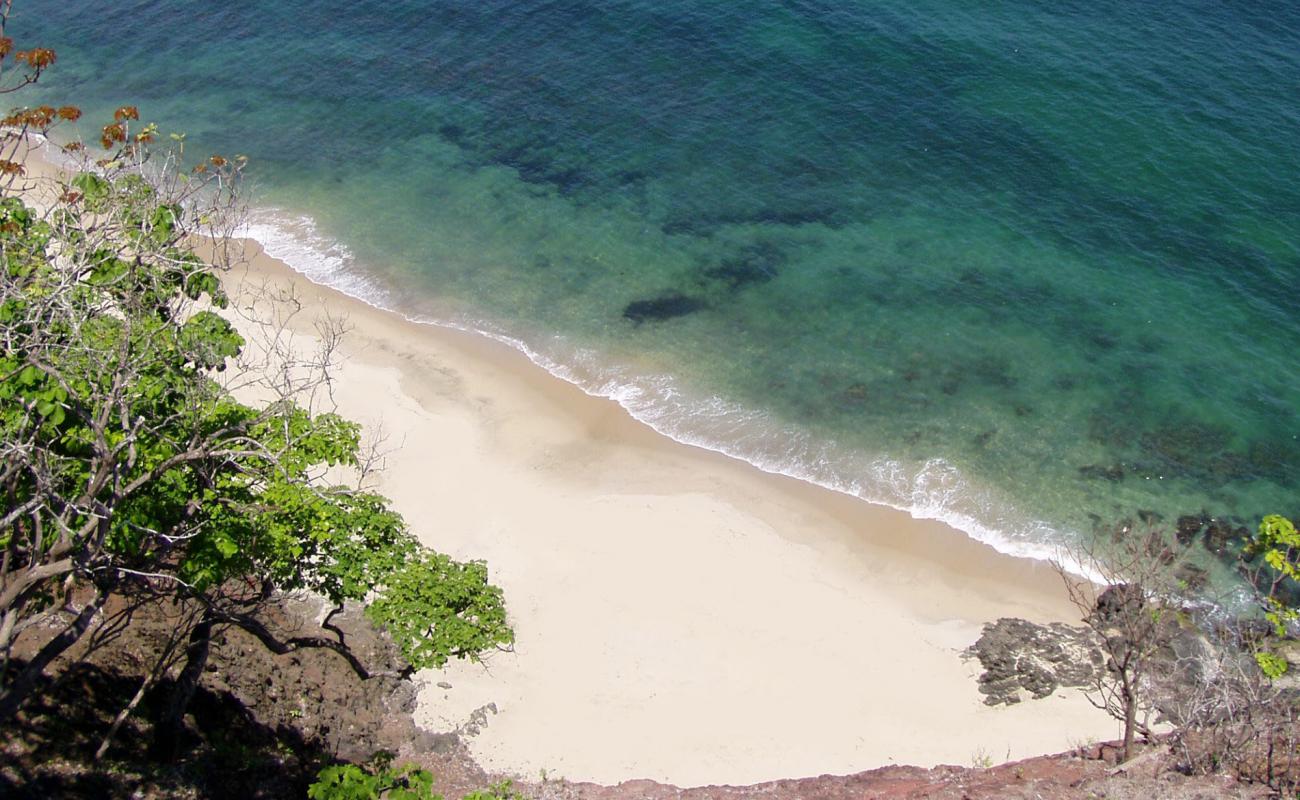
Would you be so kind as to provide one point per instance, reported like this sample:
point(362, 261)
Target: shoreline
point(807, 631)
point(682, 615)
point(356, 286)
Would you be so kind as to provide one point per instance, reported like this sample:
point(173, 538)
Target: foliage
point(1271, 664)
point(437, 608)
point(1277, 544)
point(133, 464)
point(380, 780)
point(497, 791)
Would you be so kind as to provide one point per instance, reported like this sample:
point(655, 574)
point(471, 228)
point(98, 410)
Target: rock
point(1117, 604)
point(1188, 527)
point(444, 685)
point(1157, 549)
point(1120, 530)
point(314, 691)
point(1021, 658)
point(478, 720)
point(1222, 539)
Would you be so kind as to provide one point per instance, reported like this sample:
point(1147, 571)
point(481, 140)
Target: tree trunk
point(1130, 718)
point(26, 682)
point(169, 726)
point(7, 623)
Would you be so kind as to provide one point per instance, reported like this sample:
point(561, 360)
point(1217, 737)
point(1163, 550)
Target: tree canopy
point(1276, 545)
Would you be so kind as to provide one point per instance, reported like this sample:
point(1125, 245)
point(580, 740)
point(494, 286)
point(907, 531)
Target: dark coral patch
point(661, 308)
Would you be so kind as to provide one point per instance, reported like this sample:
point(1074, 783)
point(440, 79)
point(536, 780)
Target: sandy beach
point(680, 615)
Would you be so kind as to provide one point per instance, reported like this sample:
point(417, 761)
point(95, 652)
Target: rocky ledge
point(264, 723)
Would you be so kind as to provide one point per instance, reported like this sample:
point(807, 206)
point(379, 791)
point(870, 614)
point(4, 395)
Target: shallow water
point(1029, 269)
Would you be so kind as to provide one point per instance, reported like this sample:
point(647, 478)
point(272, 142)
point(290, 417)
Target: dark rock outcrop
point(314, 691)
point(1020, 657)
point(1223, 539)
point(260, 725)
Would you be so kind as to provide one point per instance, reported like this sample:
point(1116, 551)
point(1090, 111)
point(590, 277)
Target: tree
point(1242, 716)
point(1210, 678)
point(134, 467)
point(1133, 615)
point(1274, 549)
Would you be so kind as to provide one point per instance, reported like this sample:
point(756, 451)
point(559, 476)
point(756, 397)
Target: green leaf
point(226, 546)
point(29, 375)
point(94, 188)
point(208, 339)
point(1272, 665)
point(378, 780)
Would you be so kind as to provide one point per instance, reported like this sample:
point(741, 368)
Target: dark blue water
point(1032, 268)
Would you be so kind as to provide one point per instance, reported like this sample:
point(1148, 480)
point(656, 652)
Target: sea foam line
point(653, 400)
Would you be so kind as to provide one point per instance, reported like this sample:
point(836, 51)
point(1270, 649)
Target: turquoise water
point(1032, 268)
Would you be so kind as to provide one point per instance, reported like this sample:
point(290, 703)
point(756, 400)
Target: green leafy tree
point(380, 780)
point(1133, 615)
point(133, 465)
point(1276, 545)
point(1237, 716)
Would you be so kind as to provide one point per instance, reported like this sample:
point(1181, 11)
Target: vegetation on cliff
point(133, 465)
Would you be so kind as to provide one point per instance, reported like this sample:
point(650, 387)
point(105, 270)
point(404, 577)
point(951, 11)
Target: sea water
point(1032, 268)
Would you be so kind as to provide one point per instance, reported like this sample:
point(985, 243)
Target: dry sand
point(681, 616)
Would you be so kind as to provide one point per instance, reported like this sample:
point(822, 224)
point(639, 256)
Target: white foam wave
point(934, 490)
point(295, 240)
